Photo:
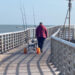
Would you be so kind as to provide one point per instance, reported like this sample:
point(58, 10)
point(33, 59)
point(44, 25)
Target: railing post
point(2, 43)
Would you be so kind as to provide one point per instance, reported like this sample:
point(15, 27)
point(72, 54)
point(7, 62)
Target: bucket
point(38, 50)
point(25, 50)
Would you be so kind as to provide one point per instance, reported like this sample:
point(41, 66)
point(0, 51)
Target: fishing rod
point(34, 17)
point(22, 9)
point(23, 12)
point(64, 29)
point(34, 23)
point(22, 17)
point(25, 19)
point(66, 17)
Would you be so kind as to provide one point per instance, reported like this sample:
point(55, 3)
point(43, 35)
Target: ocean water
point(13, 28)
point(9, 28)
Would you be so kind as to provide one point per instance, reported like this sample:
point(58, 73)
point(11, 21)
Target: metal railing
point(63, 54)
point(64, 33)
point(11, 40)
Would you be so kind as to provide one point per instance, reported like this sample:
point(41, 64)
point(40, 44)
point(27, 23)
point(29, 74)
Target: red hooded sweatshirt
point(41, 31)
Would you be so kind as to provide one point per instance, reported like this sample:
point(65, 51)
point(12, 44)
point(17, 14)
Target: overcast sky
point(50, 12)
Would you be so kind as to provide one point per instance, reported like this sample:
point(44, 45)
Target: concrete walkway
point(15, 62)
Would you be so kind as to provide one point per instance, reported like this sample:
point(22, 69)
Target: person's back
point(41, 35)
point(41, 31)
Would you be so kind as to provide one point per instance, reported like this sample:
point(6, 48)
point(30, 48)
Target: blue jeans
point(40, 42)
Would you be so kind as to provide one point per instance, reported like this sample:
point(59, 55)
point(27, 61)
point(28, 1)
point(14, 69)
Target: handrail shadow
point(38, 63)
point(7, 66)
point(18, 55)
point(18, 65)
point(9, 57)
point(28, 65)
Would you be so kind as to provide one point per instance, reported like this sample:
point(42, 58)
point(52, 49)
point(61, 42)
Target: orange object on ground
point(38, 50)
point(25, 50)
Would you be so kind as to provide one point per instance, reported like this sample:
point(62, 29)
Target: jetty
point(58, 57)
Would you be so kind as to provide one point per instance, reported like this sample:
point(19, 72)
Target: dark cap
point(40, 22)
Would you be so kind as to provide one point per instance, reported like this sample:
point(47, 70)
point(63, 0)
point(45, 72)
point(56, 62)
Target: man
point(41, 35)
